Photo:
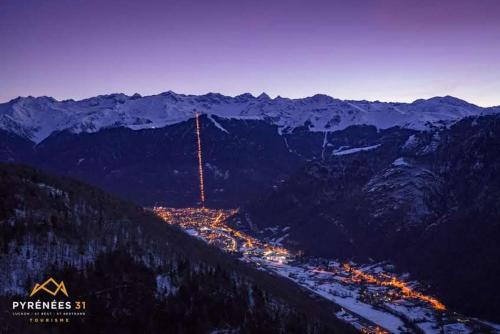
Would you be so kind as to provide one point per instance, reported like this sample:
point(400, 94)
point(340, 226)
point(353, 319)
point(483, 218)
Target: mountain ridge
point(36, 118)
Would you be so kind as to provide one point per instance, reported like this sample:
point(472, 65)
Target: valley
point(373, 297)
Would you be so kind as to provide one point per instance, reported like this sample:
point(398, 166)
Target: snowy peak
point(446, 105)
point(263, 96)
point(37, 117)
point(446, 100)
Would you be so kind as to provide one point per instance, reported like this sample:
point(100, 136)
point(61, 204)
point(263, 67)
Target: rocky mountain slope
point(144, 148)
point(427, 201)
point(160, 165)
point(137, 273)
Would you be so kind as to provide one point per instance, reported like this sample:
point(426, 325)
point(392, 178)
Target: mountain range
point(143, 148)
point(37, 118)
point(412, 183)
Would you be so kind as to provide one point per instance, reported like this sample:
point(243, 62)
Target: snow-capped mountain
point(36, 118)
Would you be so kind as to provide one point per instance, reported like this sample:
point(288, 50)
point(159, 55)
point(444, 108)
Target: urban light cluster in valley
point(359, 289)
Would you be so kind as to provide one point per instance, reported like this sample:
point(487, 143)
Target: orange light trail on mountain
point(393, 282)
point(200, 160)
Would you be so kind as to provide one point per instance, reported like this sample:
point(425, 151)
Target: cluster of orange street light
point(395, 283)
point(218, 231)
point(373, 330)
point(214, 221)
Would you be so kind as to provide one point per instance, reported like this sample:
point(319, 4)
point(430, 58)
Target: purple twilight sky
point(389, 50)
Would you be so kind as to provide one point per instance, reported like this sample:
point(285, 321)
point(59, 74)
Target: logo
point(44, 286)
point(57, 308)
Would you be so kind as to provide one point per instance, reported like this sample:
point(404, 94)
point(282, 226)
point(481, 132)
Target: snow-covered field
point(381, 306)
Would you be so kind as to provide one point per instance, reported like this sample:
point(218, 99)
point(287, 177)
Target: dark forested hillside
point(138, 274)
point(429, 202)
point(159, 165)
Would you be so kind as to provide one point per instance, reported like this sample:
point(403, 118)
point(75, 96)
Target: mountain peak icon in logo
point(58, 287)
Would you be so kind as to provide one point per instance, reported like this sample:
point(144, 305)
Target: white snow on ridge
point(400, 162)
point(220, 127)
point(37, 118)
point(355, 150)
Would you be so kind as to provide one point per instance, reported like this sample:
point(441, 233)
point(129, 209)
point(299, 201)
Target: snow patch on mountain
point(217, 124)
point(400, 162)
point(354, 150)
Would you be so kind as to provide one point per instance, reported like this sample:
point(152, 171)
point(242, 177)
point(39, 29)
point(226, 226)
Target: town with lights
point(372, 297)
